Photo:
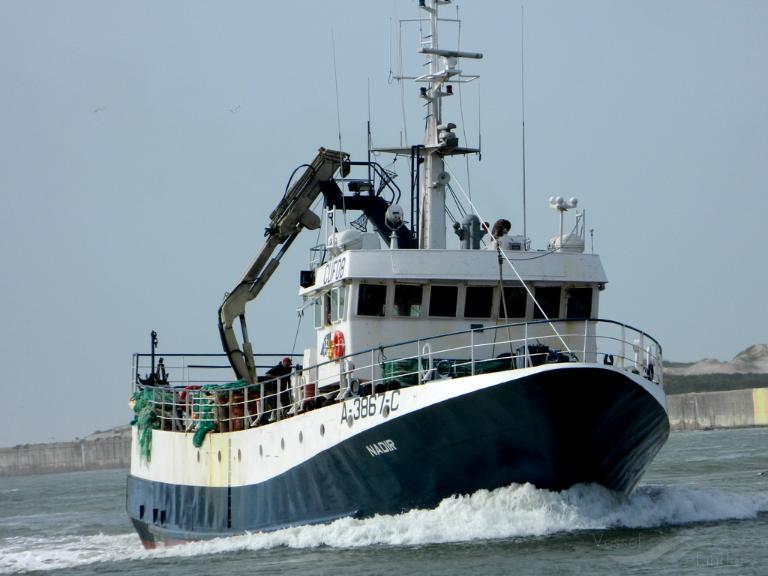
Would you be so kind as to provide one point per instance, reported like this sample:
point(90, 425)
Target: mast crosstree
point(439, 140)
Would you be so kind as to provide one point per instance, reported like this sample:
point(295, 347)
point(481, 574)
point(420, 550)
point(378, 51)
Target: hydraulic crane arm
point(286, 222)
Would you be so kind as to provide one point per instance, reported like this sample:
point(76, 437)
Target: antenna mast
point(433, 212)
point(439, 140)
point(522, 101)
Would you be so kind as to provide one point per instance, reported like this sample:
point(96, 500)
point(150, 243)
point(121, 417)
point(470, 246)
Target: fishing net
point(204, 408)
point(154, 406)
point(145, 420)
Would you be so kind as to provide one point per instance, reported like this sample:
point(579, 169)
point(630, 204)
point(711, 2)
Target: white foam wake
point(514, 511)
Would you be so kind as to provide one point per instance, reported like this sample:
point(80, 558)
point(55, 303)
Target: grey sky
point(143, 145)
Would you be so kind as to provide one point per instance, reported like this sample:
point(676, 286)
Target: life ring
point(337, 349)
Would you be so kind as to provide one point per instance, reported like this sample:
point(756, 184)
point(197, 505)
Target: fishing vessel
point(433, 371)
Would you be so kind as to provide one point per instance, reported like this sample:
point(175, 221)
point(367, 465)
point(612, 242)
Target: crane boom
point(289, 218)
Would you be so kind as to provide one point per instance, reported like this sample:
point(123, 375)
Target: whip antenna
point(522, 103)
point(336, 82)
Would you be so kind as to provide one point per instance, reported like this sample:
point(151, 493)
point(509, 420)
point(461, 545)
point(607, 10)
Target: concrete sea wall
point(106, 450)
point(706, 410)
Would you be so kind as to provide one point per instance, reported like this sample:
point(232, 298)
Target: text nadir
point(379, 448)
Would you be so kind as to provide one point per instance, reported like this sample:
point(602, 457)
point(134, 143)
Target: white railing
point(191, 398)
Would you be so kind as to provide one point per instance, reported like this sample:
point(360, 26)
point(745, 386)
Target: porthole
point(385, 411)
point(322, 429)
point(282, 443)
point(350, 420)
point(219, 455)
point(239, 455)
point(198, 455)
point(261, 450)
point(301, 437)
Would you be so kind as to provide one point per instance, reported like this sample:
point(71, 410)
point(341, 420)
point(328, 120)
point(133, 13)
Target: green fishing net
point(203, 408)
point(150, 403)
point(145, 420)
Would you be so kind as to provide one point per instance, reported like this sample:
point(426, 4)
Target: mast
point(433, 189)
point(439, 139)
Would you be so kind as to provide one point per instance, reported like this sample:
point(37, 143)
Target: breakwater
point(102, 450)
point(709, 410)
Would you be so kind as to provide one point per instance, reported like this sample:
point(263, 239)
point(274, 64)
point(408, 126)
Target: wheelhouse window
point(442, 301)
point(337, 303)
point(579, 303)
point(513, 303)
point(318, 305)
point(371, 299)
point(478, 302)
point(408, 300)
point(549, 300)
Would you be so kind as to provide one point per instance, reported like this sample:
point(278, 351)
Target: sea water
point(702, 508)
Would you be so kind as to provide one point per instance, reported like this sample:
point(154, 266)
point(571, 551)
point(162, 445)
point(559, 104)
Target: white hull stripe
point(259, 454)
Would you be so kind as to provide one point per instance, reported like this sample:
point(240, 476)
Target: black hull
point(554, 429)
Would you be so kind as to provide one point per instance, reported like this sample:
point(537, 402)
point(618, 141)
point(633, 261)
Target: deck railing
point(199, 388)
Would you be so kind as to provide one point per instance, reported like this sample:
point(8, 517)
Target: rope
point(461, 109)
point(298, 325)
point(502, 255)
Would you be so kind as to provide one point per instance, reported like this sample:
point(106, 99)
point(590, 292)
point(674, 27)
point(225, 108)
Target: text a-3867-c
point(366, 406)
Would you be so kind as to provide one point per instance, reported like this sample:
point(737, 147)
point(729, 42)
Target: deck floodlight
point(562, 206)
point(560, 203)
